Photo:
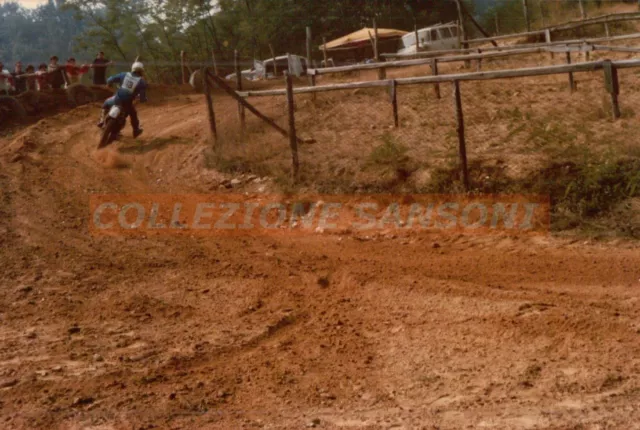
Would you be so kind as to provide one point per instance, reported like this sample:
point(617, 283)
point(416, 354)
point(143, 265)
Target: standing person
point(99, 67)
point(57, 77)
point(42, 77)
point(74, 73)
point(6, 80)
point(31, 78)
point(19, 81)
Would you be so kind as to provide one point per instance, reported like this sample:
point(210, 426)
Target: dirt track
point(411, 332)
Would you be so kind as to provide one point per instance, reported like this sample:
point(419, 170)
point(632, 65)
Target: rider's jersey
point(131, 85)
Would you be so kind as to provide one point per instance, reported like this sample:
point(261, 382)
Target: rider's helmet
point(137, 67)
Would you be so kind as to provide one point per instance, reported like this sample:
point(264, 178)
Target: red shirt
point(76, 70)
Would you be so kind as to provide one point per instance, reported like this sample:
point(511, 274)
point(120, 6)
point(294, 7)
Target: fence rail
point(454, 58)
point(609, 67)
point(591, 40)
point(473, 76)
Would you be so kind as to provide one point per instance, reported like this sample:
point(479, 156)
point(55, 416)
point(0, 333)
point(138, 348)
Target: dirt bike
point(115, 121)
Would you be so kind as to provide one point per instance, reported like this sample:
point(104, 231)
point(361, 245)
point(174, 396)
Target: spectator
point(99, 67)
point(19, 81)
point(31, 78)
point(57, 76)
point(6, 80)
point(74, 73)
point(42, 77)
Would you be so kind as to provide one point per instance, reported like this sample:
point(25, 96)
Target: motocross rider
point(132, 84)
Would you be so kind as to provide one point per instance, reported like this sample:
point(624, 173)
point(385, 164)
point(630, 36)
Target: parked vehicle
point(434, 38)
point(295, 64)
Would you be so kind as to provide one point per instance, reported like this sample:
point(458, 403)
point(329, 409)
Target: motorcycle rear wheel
point(108, 132)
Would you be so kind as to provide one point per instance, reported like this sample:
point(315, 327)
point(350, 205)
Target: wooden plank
point(612, 85)
point(423, 61)
point(619, 17)
point(225, 87)
point(481, 76)
point(320, 88)
point(394, 102)
point(616, 48)
point(236, 65)
point(293, 141)
point(462, 145)
point(440, 53)
point(506, 36)
point(207, 94)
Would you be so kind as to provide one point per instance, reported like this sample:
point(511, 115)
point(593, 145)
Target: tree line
point(158, 30)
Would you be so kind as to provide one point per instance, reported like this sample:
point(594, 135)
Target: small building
point(357, 46)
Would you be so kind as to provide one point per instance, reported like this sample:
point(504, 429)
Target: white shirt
point(5, 85)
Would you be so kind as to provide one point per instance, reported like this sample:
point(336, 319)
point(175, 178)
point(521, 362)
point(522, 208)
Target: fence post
point(182, 67)
point(613, 86)
point(479, 66)
point(324, 52)
point(393, 87)
point(544, 21)
point(547, 40)
point(460, 130)
point(606, 30)
point(415, 29)
point(293, 141)
point(583, 12)
point(525, 9)
point(572, 84)
point(312, 78)
point(497, 24)
point(461, 31)
point(236, 65)
point(210, 111)
point(434, 72)
point(215, 64)
point(382, 73)
point(275, 65)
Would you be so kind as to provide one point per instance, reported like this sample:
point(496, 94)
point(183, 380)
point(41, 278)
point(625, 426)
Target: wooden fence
point(609, 67)
point(592, 40)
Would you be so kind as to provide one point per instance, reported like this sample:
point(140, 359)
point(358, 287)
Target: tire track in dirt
point(259, 331)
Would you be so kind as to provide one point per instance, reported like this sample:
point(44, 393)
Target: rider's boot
point(137, 132)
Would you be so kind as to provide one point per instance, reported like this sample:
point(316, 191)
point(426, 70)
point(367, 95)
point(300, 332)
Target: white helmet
point(137, 67)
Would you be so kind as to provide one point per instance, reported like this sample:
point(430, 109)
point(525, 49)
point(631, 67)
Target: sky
point(28, 3)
